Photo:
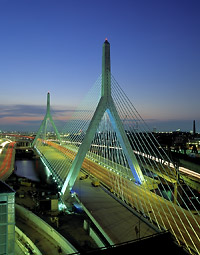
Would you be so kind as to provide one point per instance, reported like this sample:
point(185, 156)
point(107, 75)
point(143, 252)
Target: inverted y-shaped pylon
point(44, 122)
point(106, 104)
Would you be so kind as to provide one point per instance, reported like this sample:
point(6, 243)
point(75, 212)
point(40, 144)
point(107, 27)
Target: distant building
point(154, 130)
point(194, 128)
point(7, 220)
point(194, 144)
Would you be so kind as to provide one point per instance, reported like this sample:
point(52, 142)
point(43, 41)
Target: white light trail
point(3, 145)
point(181, 169)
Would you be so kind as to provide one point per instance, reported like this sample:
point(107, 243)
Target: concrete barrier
point(93, 234)
point(108, 239)
point(25, 243)
point(63, 243)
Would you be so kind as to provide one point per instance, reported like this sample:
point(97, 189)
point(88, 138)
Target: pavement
point(45, 244)
point(119, 223)
point(70, 226)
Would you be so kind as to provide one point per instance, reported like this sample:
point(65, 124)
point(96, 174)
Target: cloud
point(37, 111)
point(21, 110)
point(12, 116)
point(30, 116)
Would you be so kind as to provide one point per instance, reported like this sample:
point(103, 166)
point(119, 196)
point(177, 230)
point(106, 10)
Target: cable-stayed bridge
point(109, 140)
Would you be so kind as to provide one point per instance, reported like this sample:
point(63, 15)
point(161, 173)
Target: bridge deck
point(117, 221)
point(181, 223)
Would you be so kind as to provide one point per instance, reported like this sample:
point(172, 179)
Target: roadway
point(182, 224)
point(7, 157)
point(44, 237)
point(23, 245)
point(191, 178)
point(43, 242)
point(116, 220)
point(159, 210)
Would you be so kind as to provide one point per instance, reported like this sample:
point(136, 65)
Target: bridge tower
point(44, 123)
point(106, 104)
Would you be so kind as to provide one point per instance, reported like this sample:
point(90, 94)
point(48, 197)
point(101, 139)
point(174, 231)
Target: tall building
point(7, 220)
point(194, 128)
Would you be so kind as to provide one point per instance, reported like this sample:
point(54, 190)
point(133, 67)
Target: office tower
point(7, 220)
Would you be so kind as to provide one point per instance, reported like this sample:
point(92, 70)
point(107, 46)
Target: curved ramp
point(47, 239)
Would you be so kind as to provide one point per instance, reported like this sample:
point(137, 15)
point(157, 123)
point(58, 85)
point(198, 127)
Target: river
point(32, 169)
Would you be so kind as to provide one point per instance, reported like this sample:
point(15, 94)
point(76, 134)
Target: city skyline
point(57, 47)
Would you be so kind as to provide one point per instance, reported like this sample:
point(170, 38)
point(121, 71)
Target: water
point(32, 169)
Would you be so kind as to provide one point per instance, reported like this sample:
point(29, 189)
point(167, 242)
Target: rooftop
point(4, 188)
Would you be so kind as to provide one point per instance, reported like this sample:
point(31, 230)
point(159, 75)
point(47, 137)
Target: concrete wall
point(24, 241)
point(95, 223)
point(93, 234)
point(65, 245)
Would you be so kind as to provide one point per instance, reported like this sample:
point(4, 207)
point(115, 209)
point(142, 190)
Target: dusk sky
point(56, 46)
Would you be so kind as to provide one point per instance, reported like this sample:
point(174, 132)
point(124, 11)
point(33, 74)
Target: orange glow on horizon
point(22, 120)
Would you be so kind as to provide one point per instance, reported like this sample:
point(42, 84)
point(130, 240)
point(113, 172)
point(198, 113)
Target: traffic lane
point(116, 220)
point(165, 213)
point(6, 165)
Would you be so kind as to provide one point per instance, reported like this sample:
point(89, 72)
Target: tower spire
point(48, 103)
point(194, 128)
point(44, 122)
point(105, 104)
point(106, 74)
